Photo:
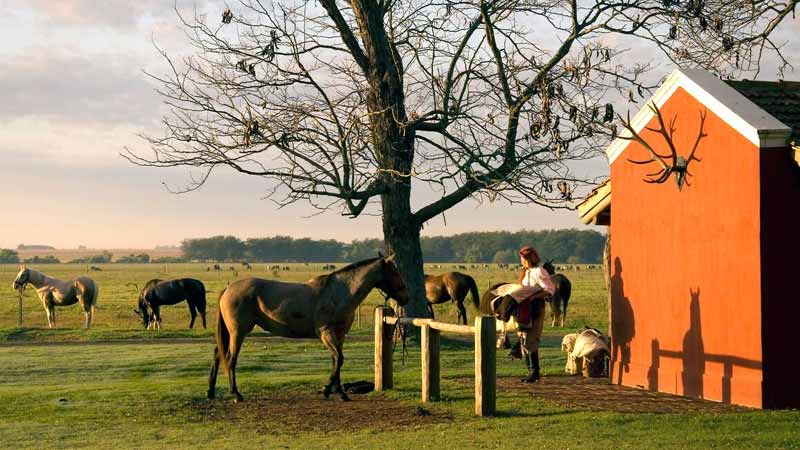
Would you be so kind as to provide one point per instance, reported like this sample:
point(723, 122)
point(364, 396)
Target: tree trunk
point(401, 233)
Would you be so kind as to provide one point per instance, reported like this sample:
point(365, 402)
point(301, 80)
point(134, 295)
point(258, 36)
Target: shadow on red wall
point(623, 325)
point(694, 358)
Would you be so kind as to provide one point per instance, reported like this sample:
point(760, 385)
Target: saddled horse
point(452, 286)
point(54, 292)
point(157, 293)
point(322, 307)
point(503, 310)
point(560, 299)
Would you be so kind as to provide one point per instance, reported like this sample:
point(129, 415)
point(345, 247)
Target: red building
point(704, 299)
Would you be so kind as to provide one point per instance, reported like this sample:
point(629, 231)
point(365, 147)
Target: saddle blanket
point(518, 292)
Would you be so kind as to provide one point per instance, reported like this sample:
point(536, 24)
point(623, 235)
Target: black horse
point(157, 293)
point(560, 298)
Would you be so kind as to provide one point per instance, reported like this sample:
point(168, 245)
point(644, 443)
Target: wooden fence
point(485, 358)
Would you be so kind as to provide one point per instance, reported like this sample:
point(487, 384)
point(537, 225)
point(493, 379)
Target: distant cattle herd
point(306, 266)
point(514, 267)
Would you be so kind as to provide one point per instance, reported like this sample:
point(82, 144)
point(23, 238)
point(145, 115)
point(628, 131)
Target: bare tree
point(344, 104)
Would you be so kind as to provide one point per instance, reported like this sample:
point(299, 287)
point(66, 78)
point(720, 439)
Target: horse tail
point(566, 290)
point(222, 336)
point(95, 294)
point(473, 290)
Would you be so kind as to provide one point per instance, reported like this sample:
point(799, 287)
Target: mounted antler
point(679, 165)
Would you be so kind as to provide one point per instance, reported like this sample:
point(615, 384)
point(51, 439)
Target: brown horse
point(54, 292)
point(322, 307)
point(452, 286)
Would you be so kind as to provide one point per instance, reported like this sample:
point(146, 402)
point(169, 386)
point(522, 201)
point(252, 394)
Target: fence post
point(19, 319)
point(383, 350)
point(485, 366)
point(430, 364)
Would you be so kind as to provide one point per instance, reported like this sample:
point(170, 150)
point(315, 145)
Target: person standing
point(530, 313)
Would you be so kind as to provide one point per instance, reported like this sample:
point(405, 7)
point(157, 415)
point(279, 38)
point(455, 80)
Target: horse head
point(391, 281)
point(144, 302)
point(143, 309)
point(549, 267)
point(23, 277)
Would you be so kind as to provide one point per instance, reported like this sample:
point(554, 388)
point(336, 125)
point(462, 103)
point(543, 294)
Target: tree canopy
point(351, 103)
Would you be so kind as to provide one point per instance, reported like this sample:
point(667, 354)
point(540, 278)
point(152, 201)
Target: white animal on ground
point(583, 347)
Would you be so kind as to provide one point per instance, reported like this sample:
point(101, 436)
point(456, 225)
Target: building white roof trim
point(755, 124)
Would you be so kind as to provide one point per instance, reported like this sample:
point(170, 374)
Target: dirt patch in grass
point(597, 394)
point(306, 412)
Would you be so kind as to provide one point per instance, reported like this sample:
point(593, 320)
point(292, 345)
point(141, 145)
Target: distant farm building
point(704, 292)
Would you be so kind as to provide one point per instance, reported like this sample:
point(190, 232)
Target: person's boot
point(516, 351)
point(533, 368)
point(526, 359)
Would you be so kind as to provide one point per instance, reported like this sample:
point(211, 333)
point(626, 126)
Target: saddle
point(530, 310)
point(525, 312)
point(504, 307)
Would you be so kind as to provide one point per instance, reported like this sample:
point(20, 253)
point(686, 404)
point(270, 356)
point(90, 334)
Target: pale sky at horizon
point(74, 95)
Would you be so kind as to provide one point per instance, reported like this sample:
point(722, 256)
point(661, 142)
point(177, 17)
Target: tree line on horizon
point(9, 256)
point(569, 246)
point(564, 246)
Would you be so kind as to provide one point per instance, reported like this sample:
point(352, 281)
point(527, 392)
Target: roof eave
point(755, 124)
point(595, 204)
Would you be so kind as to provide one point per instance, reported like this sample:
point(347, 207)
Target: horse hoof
point(210, 395)
point(344, 397)
point(238, 398)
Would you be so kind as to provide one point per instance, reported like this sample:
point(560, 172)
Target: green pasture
point(147, 390)
point(115, 318)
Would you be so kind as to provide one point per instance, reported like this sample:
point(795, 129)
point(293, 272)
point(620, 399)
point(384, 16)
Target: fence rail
point(485, 355)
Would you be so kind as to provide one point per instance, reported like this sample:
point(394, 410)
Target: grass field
point(115, 318)
point(69, 388)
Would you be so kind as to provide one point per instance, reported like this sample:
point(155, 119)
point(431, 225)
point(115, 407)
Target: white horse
point(54, 292)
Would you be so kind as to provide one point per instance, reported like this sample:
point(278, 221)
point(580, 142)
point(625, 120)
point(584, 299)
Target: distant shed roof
point(595, 208)
point(781, 99)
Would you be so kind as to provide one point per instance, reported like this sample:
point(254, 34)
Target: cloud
point(119, 14)
point(77, 88)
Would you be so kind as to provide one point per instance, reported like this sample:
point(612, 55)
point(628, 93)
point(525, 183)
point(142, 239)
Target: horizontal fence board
point(445, 326)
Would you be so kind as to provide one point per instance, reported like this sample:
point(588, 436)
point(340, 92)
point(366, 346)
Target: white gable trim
point(755, 124)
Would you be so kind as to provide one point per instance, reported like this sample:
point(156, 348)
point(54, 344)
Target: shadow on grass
point(504, 414)
point(16, 334)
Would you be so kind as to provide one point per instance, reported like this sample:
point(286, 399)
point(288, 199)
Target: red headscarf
point(532, 256)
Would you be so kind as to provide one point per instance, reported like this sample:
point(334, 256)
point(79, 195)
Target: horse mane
point(320, 282)
point(355, 265)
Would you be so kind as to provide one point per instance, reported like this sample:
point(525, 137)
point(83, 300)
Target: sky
point(74, 95)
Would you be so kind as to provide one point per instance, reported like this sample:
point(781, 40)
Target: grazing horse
point(560, 298)
point(452, 286)
point(322, 307)
point(54, 292)
point(157, 293)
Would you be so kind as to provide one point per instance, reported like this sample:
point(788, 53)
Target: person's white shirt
point(538, 277)
point(535, 280)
